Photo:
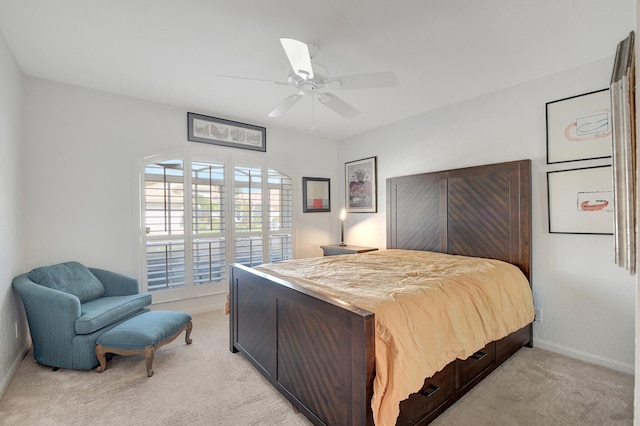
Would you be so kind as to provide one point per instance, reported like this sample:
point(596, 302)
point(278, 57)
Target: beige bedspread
point(430, 308)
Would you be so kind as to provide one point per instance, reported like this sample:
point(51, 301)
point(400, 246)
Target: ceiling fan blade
point(281, 83)
point(338, 105)
point(285, 105)
point(363, 81)
point(299, 57)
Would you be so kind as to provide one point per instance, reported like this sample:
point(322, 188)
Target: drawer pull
point(430, 391)
point(479, 355)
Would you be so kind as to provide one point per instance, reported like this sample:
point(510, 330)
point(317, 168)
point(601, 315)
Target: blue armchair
point(69, 306)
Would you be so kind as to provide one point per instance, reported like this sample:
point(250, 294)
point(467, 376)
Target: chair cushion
point(70, 277)
point(102, 312)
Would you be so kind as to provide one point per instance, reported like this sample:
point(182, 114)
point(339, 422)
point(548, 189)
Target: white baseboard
point(583, 356)
point(6, 380)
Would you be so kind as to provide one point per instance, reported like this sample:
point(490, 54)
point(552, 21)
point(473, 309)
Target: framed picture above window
point(316, 195)
point(581, 201)
point(579, 128)
point(361, 188)
point(218, 131)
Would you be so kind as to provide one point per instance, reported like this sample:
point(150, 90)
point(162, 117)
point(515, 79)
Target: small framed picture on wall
point(581, 201)
point(579, 128)
point(316, 195)
point(361, 188)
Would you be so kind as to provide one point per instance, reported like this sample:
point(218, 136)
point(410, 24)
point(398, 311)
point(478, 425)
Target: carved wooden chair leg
point(101, 355)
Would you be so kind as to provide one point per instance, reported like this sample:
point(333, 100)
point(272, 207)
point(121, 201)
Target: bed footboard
point(318, 352)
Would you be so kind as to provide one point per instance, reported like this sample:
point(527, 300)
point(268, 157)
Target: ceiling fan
point(312, 79)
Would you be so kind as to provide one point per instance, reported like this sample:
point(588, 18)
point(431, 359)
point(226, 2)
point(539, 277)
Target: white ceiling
point(442, 51)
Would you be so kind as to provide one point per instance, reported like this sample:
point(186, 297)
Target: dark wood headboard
point(482, 211)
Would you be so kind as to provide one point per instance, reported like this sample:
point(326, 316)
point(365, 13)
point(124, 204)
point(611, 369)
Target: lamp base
point(342, 244)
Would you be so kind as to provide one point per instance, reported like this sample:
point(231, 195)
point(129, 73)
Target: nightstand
point(336, 249)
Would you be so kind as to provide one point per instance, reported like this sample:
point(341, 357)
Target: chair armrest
point(116, 284)
point(51, 314)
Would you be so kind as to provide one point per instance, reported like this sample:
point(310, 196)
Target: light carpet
point(205, 384)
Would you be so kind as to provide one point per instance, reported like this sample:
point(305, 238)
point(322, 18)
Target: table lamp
point(343, 215)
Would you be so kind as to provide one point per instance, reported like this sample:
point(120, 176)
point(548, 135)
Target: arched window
point(230, 214)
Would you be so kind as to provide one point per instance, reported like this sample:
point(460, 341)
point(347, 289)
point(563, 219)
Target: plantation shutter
point(208, 207)
point(164, 224)
point(280, 217)
point(248, 216)
point(187, 240)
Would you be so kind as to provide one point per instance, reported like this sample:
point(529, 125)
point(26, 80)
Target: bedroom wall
point(587, 303)
point(11, 254)
point(82, 149)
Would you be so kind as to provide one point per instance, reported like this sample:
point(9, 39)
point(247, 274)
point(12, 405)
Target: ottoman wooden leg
point(149, 352)
point(188, 327)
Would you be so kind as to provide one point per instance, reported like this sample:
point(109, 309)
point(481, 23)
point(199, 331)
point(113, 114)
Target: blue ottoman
point(143, 335)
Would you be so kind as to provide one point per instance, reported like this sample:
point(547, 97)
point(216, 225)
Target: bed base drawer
point(436, 391)
point(510, 344)
point(472, 367)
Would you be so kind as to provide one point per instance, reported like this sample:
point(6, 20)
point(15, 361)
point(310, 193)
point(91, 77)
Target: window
point(262, 233)
point(209, 252)
point(188, 240)
point(280, 216)
point(248, 215)
point(164, 214)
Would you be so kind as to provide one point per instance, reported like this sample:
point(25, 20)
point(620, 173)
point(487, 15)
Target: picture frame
point(580, 201)
point(316, 195)
point(218, 131)
point(361, 186)
point(579, 128)
point(622, 89)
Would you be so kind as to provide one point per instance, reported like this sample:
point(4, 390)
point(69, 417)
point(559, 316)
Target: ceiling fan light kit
point(311, 78)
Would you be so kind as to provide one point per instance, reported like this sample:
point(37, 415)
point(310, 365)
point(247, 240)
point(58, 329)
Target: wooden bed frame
point(319, 352)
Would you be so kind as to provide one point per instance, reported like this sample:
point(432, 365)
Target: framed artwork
point(579, 128)
point(361, 188)
point(316, 195)
point(624, 153)
point(581, 201)
point(218, 131)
